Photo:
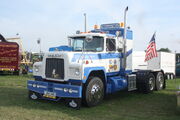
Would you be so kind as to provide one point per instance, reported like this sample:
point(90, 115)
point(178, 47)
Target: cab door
point(112, 55)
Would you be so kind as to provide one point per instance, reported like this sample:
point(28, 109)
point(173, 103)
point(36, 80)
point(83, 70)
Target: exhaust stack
point(124, 37)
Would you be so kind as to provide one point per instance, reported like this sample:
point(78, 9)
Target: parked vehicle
point(164, 61)
point(9, 57)
point(100, 63)
point(138, 60)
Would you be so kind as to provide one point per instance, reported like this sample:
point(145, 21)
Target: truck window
point(94, 45)
point(78, 44)
point(110, 44)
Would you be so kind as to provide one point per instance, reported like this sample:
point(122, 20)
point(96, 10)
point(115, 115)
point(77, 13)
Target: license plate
point(51, 95)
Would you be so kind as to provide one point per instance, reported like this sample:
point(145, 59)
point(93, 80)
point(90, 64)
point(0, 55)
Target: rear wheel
point(149, 84)
point(172, 76)
point(160, 82)
point(94, 91)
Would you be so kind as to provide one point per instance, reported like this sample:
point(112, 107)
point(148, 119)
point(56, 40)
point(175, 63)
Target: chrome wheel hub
point(161, 81)
point(95, 89)
point(151, 84)
point(96, 93)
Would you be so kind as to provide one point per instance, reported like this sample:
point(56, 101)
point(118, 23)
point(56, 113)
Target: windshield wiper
point(77, 50)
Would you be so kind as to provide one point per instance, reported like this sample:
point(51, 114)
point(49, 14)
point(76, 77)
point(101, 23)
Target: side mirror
point(69, 42)
point(118, 33)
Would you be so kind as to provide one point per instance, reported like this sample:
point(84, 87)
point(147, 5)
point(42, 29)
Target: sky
point(53, 20)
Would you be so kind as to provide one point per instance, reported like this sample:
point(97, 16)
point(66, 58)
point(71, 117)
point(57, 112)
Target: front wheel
point(94, 91)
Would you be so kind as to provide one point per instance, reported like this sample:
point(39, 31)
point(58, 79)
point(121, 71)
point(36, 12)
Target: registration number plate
point(48, 94)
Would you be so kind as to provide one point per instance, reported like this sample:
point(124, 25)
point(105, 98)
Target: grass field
point(14, 105)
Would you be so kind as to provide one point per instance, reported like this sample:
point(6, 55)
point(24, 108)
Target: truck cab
point(91, 68)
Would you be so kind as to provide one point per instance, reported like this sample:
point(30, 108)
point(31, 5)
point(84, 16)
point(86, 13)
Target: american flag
point(151, 49)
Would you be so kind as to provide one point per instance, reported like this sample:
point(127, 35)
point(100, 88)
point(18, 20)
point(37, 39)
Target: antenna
point(84, 22)
point(39, 43)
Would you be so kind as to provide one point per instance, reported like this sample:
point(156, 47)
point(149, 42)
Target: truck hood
point(72, 57)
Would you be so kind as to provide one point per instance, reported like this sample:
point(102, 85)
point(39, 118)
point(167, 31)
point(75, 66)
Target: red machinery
point(9, 56)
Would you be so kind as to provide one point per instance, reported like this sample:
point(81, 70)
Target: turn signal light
point(87, 62)
point(121, 24)
point(96, 27)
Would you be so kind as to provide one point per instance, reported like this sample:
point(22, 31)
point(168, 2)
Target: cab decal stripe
point(99, 56)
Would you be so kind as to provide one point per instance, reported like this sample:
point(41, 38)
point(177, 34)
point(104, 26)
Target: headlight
point(34, 85)
point(65, 90)
point(77, 72)
point(74, 71)
point(36, 68)
point(70, 90)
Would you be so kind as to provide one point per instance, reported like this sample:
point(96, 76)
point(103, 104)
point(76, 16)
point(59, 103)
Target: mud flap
point(74, 103)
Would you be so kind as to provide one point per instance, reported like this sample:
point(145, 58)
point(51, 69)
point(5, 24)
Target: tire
point(172, 76)
point(160, 82)
point(148, 84)
point(166, 76)
point(93, 92)
point(164, 87)
point(33, 95)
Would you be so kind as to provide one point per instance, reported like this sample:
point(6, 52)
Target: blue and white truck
point(98, 63)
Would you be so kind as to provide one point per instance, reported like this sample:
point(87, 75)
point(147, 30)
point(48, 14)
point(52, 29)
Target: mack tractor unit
point(95, 64)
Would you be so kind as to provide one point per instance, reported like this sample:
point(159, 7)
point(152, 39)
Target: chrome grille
point(54, 68)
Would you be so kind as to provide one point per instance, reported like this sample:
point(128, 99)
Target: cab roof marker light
point(121, 24)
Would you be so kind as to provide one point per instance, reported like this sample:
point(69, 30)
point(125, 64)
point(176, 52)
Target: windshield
point(96, 44)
